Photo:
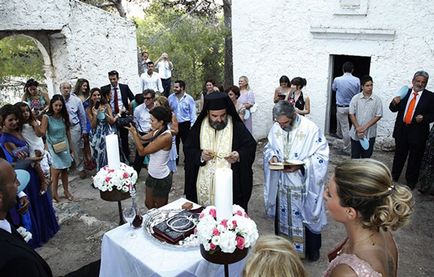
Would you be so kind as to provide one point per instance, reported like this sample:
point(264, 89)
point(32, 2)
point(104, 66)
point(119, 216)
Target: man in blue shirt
point(77, 118)
point(346, 86)
point(184, 107)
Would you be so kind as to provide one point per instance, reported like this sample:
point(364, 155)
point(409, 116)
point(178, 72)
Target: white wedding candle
point(112, 148)
point(223, 193)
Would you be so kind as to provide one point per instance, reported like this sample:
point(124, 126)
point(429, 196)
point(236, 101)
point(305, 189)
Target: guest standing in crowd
point(296, 140)
point(247, 100)
point(77, 126)
point(345, 86)
point(218, 139)
point(119, 95)
point(81, 90)
point(362, 196)
point(365, 111)
point(151, 80)
point(37, 100)
point(43, 219)
point(415, 113)
point(234, 93)
point(426, 178)
point(273, 256)
point(55, 125)
point(184, 107)
point(283, 90)
point(143, 67)
point(101, 119)
point(35, 143)
point(142, 119)
point(300, 101)
point(162, 101)
point(208, 88)
point(159, 180)
point(165, 67)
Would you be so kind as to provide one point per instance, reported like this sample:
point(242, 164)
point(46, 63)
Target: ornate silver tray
point(156, 216)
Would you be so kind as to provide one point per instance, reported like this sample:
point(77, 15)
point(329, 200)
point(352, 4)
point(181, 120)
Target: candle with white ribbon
point(223, 193)
point(112, 147)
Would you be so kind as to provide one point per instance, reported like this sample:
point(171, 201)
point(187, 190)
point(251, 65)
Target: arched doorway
point(26, 55)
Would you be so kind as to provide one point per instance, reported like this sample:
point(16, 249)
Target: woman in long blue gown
point(43, 219)
point(101, 119)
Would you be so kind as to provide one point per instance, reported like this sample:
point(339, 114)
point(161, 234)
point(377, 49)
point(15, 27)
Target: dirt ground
point(85, 220)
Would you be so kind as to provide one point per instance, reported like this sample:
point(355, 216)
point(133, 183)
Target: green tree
point(20, 56)
point(194, 43)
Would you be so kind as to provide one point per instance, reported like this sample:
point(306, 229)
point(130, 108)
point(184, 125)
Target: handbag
point(60, 147)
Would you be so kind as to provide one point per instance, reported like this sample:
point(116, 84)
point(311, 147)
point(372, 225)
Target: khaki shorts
point(160, 187)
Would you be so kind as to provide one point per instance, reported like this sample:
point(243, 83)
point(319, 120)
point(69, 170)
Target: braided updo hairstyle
point(366, 185)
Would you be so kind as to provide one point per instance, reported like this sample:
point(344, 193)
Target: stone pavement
point(85, 220)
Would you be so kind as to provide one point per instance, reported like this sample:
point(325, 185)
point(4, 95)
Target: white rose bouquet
point(122, 179)
point(239, 231)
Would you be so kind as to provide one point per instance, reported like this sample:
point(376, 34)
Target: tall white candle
point(223, 193)
point(112, 147)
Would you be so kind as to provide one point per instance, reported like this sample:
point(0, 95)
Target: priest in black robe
point(218, 138)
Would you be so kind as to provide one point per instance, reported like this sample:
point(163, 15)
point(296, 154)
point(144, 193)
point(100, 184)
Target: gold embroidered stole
point(220, 142)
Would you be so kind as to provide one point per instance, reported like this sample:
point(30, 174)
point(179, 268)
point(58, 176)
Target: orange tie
point(409, 114)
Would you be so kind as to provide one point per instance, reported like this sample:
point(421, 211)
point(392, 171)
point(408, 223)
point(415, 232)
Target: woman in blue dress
point(43, 219)
point(101, 118)
point(55, 126)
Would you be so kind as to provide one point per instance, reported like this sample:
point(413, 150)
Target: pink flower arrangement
point(239, 231)
point(108, 179)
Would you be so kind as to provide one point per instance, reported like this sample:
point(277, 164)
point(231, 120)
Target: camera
point(97, 103)
point(125, 121)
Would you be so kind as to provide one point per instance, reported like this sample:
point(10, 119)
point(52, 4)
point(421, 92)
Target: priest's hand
point(207, 155)
point(233, 157)
point(273, 160)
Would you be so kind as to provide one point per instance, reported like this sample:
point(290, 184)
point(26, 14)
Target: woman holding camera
point(159, 180)
point(101, 118)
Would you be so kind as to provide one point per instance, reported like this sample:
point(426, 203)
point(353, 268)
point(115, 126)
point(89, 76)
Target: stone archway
point(42, 42)
point(76, 40)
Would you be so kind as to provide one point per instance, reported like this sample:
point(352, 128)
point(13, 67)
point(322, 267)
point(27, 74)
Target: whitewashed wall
point(83, 41)
point(296, 38)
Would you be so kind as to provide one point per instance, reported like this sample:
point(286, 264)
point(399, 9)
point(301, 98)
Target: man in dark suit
point(415, 113)
point(17, 258)
point(121, 95)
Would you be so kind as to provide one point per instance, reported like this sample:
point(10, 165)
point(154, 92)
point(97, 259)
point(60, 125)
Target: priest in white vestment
point(294, 195)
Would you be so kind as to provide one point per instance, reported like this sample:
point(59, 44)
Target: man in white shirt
point(151, 80)
point(165, 67)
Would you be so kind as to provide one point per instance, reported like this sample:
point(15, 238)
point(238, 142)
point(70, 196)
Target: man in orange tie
point(415, 113)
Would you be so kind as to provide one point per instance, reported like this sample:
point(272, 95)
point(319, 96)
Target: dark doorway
point(361, 68)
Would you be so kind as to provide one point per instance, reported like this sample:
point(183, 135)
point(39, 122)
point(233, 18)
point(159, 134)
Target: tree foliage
point(20, 56)
point(194, 43)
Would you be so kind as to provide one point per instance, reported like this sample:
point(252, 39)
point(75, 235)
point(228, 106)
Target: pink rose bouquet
point(122, 179)
point(239, 231)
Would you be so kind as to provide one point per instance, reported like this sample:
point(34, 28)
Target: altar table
point(123, 256)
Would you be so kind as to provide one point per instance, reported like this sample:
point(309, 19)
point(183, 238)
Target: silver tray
point(156, 216)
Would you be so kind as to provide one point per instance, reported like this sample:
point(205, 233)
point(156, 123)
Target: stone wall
point(297, 38)
point(82, 41)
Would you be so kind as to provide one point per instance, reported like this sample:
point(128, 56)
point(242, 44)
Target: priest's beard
point(218, 125)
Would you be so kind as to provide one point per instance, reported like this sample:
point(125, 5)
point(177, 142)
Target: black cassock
point(242, 142)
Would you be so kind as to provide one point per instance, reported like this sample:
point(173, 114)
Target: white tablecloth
point(123, 256)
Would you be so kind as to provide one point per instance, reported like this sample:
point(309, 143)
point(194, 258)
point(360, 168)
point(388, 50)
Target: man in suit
point(17, 258)
point(415, 113)
point(121, 95)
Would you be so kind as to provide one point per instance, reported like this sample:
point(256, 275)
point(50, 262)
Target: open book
point(285, 164)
